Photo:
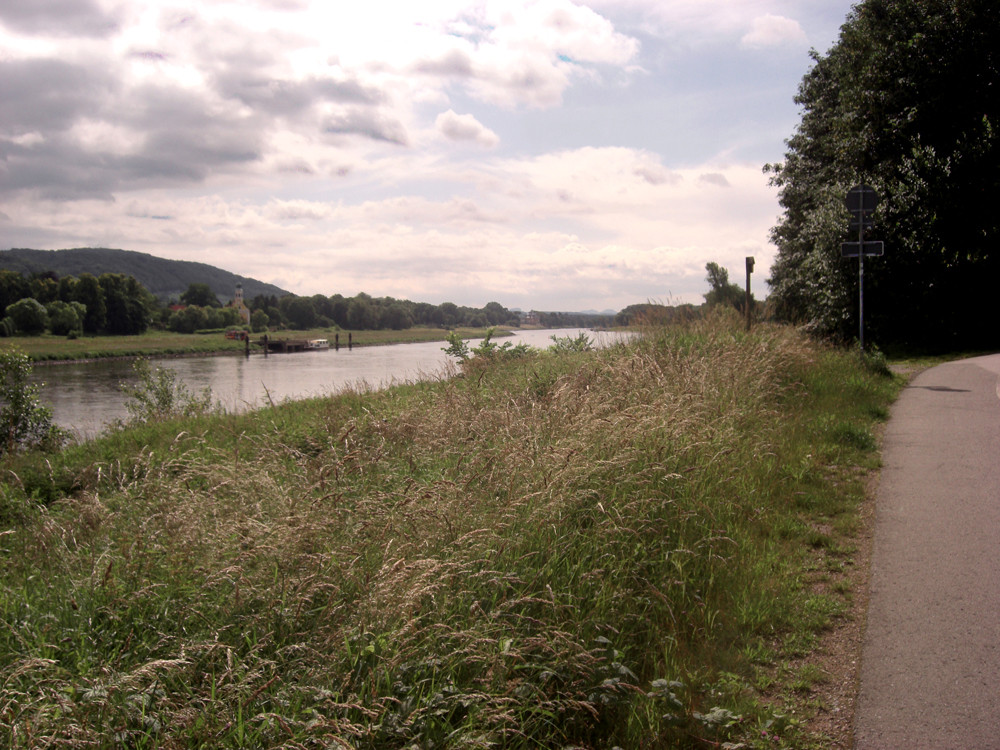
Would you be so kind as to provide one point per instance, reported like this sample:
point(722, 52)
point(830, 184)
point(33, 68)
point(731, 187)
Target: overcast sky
point(544, 154)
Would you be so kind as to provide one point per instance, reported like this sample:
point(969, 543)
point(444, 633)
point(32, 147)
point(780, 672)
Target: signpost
point(861, 202)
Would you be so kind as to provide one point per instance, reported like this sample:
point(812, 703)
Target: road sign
point(861, 221)
point(861, 199)
point(853, 249)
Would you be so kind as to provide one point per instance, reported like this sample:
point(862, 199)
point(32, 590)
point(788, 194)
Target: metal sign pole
point(861, 285)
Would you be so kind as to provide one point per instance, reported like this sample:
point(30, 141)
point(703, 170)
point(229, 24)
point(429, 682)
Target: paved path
point(930, 671)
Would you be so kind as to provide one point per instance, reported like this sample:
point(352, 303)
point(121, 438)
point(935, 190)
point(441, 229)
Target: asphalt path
point(930, 668)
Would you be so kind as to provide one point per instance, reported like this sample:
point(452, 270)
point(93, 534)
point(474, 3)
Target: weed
point(592, 549)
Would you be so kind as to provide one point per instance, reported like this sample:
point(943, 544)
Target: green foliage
point(157, 395)
point(200, 295)
point(457, 348)
point(128, 305)
point(570, 551)
point(487, 349)
point(721, 290)
point(66, 318)
point(562, 344)
point(29, 316)
point(905, 101)
point(24, 421)
point(259, 321)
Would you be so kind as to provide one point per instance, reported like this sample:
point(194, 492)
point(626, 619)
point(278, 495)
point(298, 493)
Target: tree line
point(118, 304)
point(111, 303)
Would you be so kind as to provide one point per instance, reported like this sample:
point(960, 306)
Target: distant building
point(240, 305)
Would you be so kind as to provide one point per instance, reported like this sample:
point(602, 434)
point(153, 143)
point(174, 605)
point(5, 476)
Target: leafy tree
point(65, 318)
point(200, 295)
point(298, 312)
point(906, 102)
point(258, 321)
point(29, 316)
point(449, 314)
point(360, 315)
point(722, 291)
point(24, 421)
point(13, 286)
point(89, 294)
point(396, 317)
point(128, 304)
point(44, 288)
point(188, 320)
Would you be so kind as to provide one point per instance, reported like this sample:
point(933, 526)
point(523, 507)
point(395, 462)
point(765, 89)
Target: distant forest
point(34, 300)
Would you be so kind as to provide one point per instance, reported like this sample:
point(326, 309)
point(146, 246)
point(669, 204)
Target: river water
point(85, 397)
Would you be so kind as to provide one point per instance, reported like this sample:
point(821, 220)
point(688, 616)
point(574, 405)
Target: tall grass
point(583, 550)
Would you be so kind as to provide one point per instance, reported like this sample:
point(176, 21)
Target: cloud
point(57, 18)
point(714, 178)
point(772, 31)
point(457, 127)
point(369, 124)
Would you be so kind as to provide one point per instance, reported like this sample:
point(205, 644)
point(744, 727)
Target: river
point(85, 397)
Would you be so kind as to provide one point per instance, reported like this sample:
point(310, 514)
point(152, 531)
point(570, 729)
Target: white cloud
point(312, 144)
point(457, 127)
point(773, 31)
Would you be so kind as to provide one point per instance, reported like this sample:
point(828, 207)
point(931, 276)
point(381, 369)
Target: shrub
point(28, 315)
point(24, 421)
point(157, 395)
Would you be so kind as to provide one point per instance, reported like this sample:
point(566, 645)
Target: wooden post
point(749, 298)
point(336, 342)
point(350, 340)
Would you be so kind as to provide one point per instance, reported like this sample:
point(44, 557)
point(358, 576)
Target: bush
point(24, 421)
point(29, 316)
point(158, 396)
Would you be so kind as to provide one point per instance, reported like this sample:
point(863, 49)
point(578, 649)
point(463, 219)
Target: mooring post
point(267, 348)
point(350, 340)
point(336, 342)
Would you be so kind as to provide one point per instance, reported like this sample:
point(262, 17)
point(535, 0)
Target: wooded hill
point(165, 279)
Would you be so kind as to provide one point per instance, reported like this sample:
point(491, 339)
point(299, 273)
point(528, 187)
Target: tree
point(360, 315)
point(13, 286)
point(722, 291)
point(127, 304)
point(258, 321)
point(65, 318)
point(29, 316)
point(89, 294)
point(24, 421)
point(188, 320)
point(200, 295)
point(906, 102)
point(299, 312)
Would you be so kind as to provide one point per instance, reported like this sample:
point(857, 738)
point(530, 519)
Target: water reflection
point(85, 397)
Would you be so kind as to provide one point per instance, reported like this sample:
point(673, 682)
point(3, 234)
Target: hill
point(166, 279)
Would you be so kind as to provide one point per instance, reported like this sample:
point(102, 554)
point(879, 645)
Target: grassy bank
point(164, 343)
point(620, 547)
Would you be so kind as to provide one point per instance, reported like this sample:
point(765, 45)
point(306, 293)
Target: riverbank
point(53, 349)
point(640, 546)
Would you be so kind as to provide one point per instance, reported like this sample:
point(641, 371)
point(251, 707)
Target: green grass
point(587, 550)
point(154, 343)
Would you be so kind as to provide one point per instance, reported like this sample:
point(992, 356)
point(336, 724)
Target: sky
point(543, 154)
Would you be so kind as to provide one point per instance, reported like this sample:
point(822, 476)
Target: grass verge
point(578, 550)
